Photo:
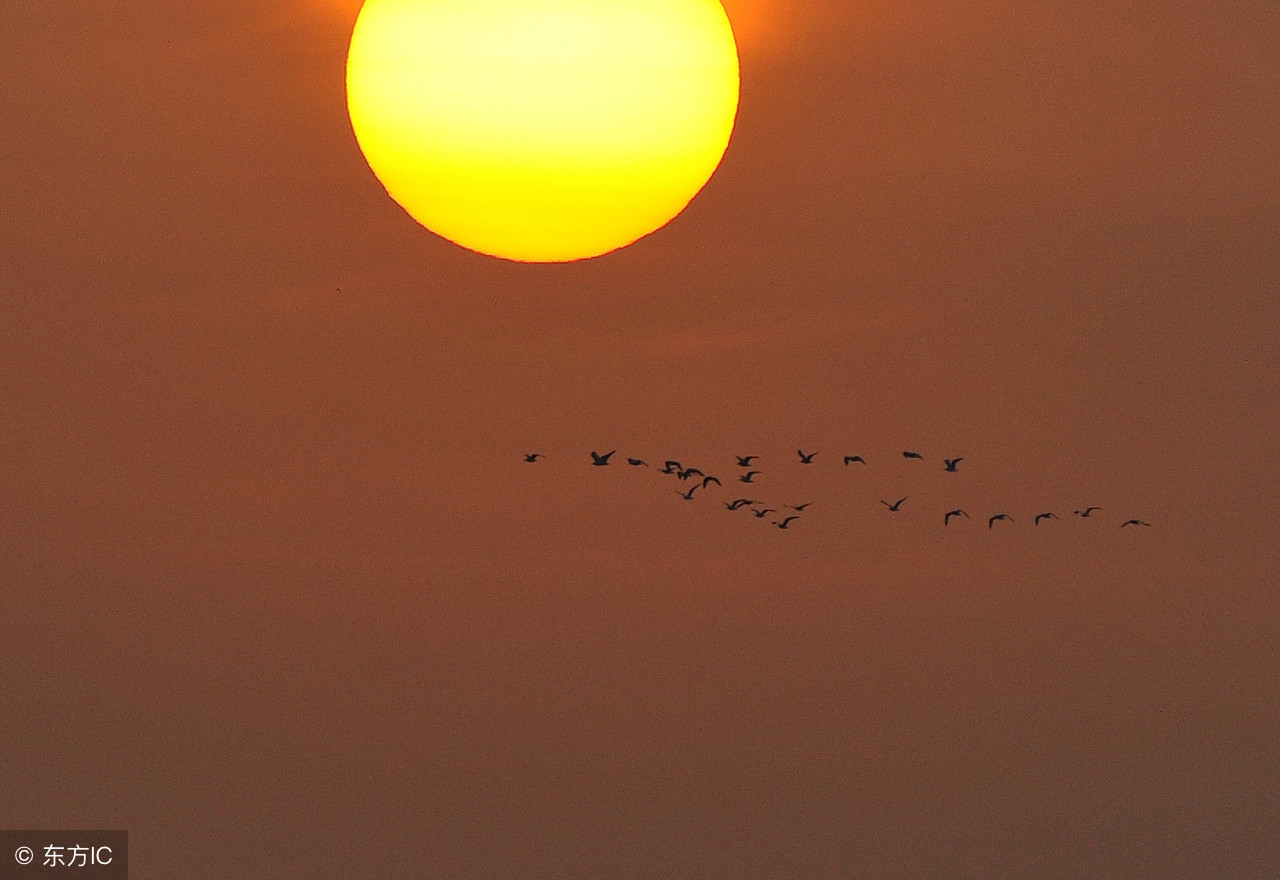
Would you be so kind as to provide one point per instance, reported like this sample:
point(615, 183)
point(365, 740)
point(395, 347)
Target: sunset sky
point(282, 598)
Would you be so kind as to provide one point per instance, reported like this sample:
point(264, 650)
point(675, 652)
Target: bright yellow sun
point(543, 130)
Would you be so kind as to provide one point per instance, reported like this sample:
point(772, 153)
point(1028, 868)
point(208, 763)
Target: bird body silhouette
point(850, 459)
point(747, 477)
point(895, 506)
point(745, 460)
point(1135, 522)
point(689, 472)
point(946, 519)
point(999, 516)
point(805, 459)
point(706, 480)
point(739, 502)
point(671, 467)
point(1045, 516)
point(688, 496)
point(761, 514)
point(601, 460)
point(800, 507)
point(952, 463)
point(786, 522)
point(912, 455)
point(636, 462)
point(1088, 511)
point(533, 456)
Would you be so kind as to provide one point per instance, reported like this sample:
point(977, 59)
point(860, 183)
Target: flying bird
point(800, 507)
point(850, 459)
point(636, 462)
point(688, 496)
point(895, 506)
point(1087, 511)
point(761, 514)
point(786, 522)
point(689, 472)
point(706, 480)
point(1045, 516)
point(745, 460)
point(1135, 522)
point(671, 467)
point(912, 455)
point(951, 463)
point(533, 456)
point(946, 520)
point(991, 522)
point(805, 459)
point(601, 460)
point(746, 478)
point(739, 502)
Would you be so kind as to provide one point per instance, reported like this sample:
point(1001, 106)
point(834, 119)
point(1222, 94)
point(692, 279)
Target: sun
point(543, 130)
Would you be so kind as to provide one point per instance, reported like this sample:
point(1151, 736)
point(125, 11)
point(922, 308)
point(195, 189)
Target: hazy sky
point(282, 598)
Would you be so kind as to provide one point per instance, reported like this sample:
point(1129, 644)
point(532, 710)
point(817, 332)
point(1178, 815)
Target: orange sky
point(283, 600)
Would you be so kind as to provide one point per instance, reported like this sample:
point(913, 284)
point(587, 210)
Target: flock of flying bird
point(701, 480)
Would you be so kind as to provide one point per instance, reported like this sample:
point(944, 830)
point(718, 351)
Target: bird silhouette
point(671, 467)
point(739, 502)
point(1045, 516)
point(991, 522)
point(1088, 511)
point(761, 514)
point(912, 455)
point(601, 460)
point(533, 456)
point(786, 522)
point(946, 519)
point(706, 480)
point(688, 496)
point(850, 459)
point(1135, 522)
point(951, 463)
point(895, 506)
point(805, 459)
point(747, 477)
point(689, 472)
point(800, 507)
point(745, 460)
point(636, 462)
